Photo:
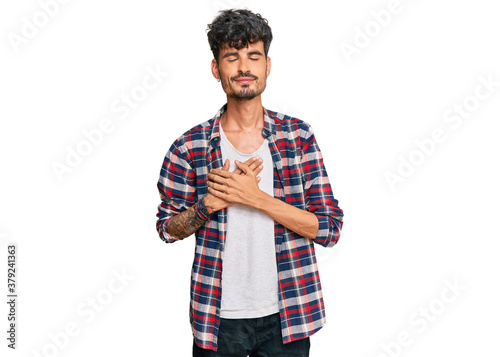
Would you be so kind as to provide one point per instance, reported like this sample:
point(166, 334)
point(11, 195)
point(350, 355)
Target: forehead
point(256, 46)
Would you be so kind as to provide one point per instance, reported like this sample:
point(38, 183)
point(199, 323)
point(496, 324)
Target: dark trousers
point(258, 337)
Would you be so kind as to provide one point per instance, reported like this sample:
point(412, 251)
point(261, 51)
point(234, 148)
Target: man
point(252, 186)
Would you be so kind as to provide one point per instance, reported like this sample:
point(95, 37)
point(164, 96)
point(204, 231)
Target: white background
point(399, 248)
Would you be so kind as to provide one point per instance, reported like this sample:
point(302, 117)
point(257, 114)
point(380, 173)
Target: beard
point(246, 92)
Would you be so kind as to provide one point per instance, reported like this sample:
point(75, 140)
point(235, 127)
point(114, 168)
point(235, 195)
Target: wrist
point(202, 211)
point(261, 201)
point(210, 201)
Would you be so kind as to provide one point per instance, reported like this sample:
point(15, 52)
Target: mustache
point(244, 75)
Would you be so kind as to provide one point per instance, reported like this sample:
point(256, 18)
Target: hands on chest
point(239, 186)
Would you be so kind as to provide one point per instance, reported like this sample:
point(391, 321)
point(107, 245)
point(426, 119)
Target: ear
point(268, 66)
point(215, 69)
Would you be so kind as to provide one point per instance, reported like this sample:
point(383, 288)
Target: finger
point(250, 161)
point(219, 194)
point(217, 187)
point(258, 178)
point(221, 173)
point(226, 165)
point(256, 165)
point(243, 167)
point(216, 178)
point(258, 170)
point(216, 193)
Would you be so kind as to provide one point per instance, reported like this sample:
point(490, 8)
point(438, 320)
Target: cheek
point(263, 72)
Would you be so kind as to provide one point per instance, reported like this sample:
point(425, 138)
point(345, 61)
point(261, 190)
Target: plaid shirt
point(300, 179)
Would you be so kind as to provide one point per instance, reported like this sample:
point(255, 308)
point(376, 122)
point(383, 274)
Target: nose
point(244, 66)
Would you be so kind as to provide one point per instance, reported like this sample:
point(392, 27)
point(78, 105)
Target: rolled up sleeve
point(176, 188)
point(319, 197)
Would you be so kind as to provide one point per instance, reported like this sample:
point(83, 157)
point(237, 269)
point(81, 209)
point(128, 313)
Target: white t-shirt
point(249, 271)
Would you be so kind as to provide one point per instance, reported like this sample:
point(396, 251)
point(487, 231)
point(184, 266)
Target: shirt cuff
point(325, 233)
point(165, 235)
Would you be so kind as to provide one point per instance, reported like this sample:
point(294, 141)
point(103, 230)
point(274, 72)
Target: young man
point(252, 186)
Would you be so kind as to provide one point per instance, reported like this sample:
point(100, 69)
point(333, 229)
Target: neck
point(244, 115)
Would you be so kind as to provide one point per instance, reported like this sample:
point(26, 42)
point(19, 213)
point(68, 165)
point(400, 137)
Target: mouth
point(244, 80)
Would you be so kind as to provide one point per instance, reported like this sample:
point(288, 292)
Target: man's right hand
point(217, 203)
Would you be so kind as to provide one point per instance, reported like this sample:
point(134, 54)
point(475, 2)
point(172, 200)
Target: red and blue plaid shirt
point(300, 179)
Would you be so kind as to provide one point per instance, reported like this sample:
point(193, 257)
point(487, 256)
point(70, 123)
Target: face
point(243, 73)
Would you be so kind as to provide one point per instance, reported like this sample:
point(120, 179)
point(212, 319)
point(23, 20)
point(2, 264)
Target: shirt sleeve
point(319, 197)
point(177, 189)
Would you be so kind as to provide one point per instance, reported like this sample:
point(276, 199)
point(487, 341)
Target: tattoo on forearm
point(184, 224)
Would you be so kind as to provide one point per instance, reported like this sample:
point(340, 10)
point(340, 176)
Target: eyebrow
point(237, 54)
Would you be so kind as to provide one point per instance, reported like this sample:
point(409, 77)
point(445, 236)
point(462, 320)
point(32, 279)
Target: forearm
point(184, 224)
point(297, 220)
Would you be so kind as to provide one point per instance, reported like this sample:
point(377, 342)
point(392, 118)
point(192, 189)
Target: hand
point(232, 187)
point(217, 203)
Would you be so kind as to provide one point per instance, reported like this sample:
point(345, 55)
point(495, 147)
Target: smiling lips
point(244, 80)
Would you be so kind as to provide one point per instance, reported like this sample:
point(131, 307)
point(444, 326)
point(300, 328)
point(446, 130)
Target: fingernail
point(260, 160)
point(236, 161)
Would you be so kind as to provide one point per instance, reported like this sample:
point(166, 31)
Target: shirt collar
point(268, 129)
point(269, 124)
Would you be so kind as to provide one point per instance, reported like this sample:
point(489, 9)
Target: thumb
point(226, 165)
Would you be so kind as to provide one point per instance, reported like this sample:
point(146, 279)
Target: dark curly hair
point(236, 28)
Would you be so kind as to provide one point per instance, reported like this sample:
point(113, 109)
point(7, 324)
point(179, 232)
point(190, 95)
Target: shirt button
point(217, 311)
